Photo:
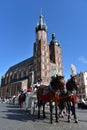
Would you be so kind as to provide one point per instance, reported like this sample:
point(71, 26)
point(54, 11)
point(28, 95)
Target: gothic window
point(59, 51)
point(13, 76)
point(9, 79)
point(58, 59)
point(44, 47)
point(26, 72)
point(42, 66)
point(45, 73)
point(7, 90)
point(47, 60)
point(17, 75)
point(42, 52)
point(45, 66)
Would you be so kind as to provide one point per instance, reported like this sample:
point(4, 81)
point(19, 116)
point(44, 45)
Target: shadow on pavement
point(13, 112)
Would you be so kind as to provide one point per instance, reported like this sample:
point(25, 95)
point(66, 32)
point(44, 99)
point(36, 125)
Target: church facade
point(45, 62)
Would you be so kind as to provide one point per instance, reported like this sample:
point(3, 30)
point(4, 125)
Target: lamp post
point(32, 78)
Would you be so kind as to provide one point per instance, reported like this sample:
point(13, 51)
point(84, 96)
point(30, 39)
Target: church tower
point(41, 53)
point(56, 56)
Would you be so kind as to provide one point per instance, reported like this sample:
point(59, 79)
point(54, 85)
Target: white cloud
point(83, 59)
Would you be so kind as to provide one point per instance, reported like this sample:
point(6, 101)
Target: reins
point(50, 87)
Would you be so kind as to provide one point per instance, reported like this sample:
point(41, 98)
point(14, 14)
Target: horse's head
point(72, 84)
point(58, 82)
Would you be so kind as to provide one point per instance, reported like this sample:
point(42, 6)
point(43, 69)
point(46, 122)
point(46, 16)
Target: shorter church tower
point(56, 56)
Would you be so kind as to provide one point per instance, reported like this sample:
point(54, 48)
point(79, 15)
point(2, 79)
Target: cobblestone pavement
point(14, 118)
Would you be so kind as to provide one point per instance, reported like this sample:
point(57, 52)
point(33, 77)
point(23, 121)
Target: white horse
point(30, 101)
point(14, 100)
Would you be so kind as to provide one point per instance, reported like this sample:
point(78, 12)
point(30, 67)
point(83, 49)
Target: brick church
point(45, 62)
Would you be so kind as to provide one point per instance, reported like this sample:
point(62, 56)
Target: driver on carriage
point(38, 84)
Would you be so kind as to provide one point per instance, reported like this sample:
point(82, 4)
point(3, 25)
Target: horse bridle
point(50, 87)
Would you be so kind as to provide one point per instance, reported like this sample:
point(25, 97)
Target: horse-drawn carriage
point(58, 92)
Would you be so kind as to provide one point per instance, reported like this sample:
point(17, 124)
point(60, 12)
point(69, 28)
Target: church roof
point(20, 65)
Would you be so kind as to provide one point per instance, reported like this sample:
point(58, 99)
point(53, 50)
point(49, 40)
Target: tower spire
point(41, 25)
point(41, 11)
point(41, 18)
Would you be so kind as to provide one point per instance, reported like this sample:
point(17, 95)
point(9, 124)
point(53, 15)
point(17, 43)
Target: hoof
point(76, 121)
point(26, 110)
point(57, 121)
point(69, 120)
point(44, 117)
point(62, 116)
point(51, 122)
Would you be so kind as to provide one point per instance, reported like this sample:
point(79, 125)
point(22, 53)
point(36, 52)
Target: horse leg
point(74, 112)
point(51, 118)
point(69, 115)
point(38, 109)
point(60, 112)
point(61, 108)
point(26, 104)
point(56, 113)
point(20, 104)
point(44, 116)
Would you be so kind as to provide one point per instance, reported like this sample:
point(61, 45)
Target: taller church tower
point(41, 53)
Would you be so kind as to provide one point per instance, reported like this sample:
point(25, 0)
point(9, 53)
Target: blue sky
point(66, 18)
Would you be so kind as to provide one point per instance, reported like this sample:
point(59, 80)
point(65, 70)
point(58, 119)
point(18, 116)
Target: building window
point(47, 60)
point(42, 66)
point(17, 75)
point(45, 66)
point(45, 73)
point(9, 79)
point(26, 72)
point(7, 90)
point(42, 52)
point(42, 59)
point(22, 74)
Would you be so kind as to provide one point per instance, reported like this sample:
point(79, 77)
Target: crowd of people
point(5, 100)
point(14, 98)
